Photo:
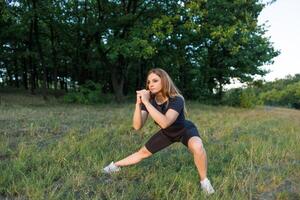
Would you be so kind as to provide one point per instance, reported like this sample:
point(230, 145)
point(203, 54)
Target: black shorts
point(175, 133)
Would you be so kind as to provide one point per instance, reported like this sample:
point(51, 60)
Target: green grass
point(56, 151)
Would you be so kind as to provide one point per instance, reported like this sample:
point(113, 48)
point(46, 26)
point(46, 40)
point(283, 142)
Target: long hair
point(168, 89)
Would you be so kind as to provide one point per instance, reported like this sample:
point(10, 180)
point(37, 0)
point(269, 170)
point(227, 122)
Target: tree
point(63, 44)
point(230, 43)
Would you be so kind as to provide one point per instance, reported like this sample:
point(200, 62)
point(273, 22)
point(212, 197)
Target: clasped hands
point(142, 96)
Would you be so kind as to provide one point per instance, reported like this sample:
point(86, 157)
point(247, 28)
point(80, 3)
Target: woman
point(164, 103)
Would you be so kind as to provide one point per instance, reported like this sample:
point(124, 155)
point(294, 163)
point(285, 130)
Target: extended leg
point(134, 158)
point(157, 142)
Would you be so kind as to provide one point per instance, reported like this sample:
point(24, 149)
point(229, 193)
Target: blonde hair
point(169, 89)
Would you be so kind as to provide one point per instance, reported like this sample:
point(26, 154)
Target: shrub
point(291, 95)
point(288, 96)
point(232, 97)
point(284, 92)
point(88, 93)
point(248, 98)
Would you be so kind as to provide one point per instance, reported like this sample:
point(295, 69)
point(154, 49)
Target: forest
point(57, 46)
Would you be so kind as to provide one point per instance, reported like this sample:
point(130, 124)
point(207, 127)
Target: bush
point(287, 96)
point(88, 93)
point(284, 92)
point(291, 95)
point(246, 98)
point(232, 97)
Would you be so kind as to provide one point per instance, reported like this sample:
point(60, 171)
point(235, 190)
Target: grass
point(56, 151)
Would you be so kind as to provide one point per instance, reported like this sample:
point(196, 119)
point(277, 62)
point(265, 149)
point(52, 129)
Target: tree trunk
point(118, 84)
point(61, 83)
point(24, 77)
point(16, 73)
point(10, 78)
point(85, 70)
point(32, 76)
point(66, 85)
point(30, 60)
point(140, 84)
point(40, 51)
point(220, 89)
point(77, 60)
point(182, 75)
point(54, 57)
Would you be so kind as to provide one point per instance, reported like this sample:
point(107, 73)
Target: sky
point(283, 24)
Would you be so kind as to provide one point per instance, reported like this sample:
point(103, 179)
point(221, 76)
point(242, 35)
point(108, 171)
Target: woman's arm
point(139, 117)
point(163, 121)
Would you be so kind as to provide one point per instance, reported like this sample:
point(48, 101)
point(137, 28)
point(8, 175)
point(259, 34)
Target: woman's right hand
point(138, 97)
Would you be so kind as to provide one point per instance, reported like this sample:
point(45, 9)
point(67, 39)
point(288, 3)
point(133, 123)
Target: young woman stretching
point(163, 101)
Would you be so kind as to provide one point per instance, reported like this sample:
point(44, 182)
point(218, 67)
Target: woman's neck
point(160, 99)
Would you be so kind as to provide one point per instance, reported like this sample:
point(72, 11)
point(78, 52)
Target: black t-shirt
point(176, 103)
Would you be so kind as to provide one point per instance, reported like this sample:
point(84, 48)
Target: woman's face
point(154, 83)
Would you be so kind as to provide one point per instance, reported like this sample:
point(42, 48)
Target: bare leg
point(134, 158)
point(196, 147)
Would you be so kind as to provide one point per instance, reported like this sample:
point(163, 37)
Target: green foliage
point(248, 99)
point(201, 43)
point(283, 92)
point(232, 97)
point(245, 98)
point(88, 93)
point(288, 95)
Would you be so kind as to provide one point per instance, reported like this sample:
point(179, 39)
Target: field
point(56, 151)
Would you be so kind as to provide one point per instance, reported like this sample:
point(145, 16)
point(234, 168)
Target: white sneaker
point(111, 168)
point(207, 187)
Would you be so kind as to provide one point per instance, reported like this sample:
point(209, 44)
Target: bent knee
point(198, 150)
point(197, 147)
